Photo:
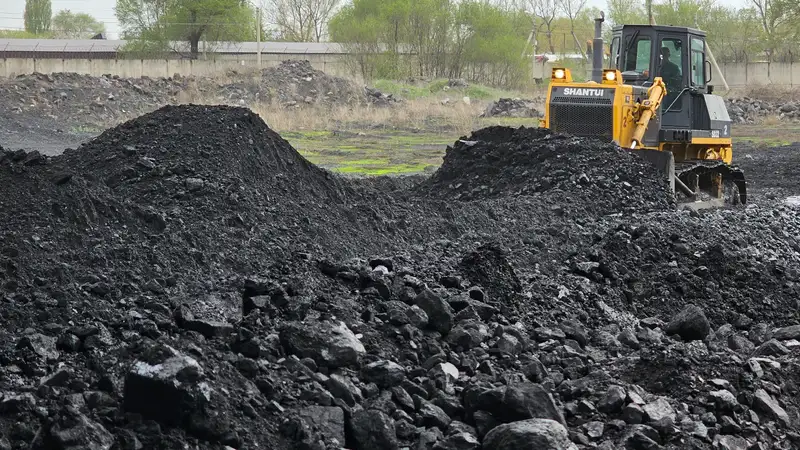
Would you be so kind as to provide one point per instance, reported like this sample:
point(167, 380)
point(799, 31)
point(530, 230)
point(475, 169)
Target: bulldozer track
point(729, 173)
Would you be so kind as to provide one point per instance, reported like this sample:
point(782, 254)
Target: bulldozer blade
point(693, 179)
point(664, 161)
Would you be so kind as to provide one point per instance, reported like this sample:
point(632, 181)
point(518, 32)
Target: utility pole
point(258, 38)
point(650, 17)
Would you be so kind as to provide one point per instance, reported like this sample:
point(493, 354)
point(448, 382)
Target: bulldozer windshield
point(638, 56)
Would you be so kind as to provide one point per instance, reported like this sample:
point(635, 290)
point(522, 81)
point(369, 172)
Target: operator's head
point(665, 52)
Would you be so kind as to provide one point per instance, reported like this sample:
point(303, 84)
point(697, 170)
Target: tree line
point(490, 41)
point(40, 22)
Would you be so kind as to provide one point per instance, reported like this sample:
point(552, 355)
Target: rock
point(535, 371)
point(440, 314)
point(574, 330)
point(328, 344)
point(724, 400)
point(613, 400)
point(58, 378)
point(529, 401)
point(764, 403)
point(44, 346)
point(385, 374)
point(771, 348)
point(17, 404)
point(327, 420)
point(730, 443)
point(509, 344)
point(372, 429)
point(755, 367)
point(74, 431)
point(447, 369)
point(690, 324)
point(653, 322)
point(740, 344)
point(633, 414)
point(458, 441)
point(544, 334)
point(468, 334)
point(729, 426)
point(403, 399)
point(658, 410)
point(640, 437)
point(531, 434)
point(341, 387)
point(787, 333)
point(166, 390)
point(594, 429)
point(629, 339)
point(432, 416)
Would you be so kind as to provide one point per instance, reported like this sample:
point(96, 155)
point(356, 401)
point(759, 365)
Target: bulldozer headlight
point(561, 75)
point(612, 76)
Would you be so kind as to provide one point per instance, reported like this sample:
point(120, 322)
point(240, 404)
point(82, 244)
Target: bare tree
point(545, 11)
point(572, 8)
point(302, 20)
point(773, 15)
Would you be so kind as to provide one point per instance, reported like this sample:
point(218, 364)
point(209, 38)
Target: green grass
point(372, 153)
point(383, 169)
point(767, 135)
point(402, 90)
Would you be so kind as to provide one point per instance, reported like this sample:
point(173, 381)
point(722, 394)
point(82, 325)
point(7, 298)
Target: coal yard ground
point(188, 280)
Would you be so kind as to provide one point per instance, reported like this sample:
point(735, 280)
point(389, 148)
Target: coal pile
point(512, 107)
point(187, 280)
point(506, 162)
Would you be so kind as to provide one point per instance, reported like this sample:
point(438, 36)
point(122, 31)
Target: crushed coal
point(505, 162)
point(513, 107)
point(188, 280)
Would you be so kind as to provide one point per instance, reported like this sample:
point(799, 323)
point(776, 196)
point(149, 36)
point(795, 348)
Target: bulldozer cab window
point(637, 56)
point(613, 60)
point(698, 62)
point(671, 62)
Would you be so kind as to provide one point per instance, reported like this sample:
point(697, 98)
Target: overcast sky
point(103, 10)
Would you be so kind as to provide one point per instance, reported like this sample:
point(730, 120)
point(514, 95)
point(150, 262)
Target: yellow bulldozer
point(654, 98)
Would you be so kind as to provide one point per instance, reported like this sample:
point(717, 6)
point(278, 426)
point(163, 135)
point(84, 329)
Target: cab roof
point(663, 28)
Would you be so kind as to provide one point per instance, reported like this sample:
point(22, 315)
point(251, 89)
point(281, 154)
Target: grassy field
point(383, 152)
point(402, 152)
point(769, 134)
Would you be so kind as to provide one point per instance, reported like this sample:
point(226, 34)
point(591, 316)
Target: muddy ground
point(188, 280)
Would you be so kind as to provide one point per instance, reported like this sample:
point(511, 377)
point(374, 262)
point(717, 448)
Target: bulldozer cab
point(676, 54)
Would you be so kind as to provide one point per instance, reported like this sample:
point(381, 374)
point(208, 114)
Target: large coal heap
point(501, 162)
point(219, 146)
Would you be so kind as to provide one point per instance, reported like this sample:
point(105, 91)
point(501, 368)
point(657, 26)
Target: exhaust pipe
point(597, 49)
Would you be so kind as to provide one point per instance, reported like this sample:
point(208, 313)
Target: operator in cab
point(671, 74)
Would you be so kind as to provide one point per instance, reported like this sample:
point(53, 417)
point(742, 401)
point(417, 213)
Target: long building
point(108, 49)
